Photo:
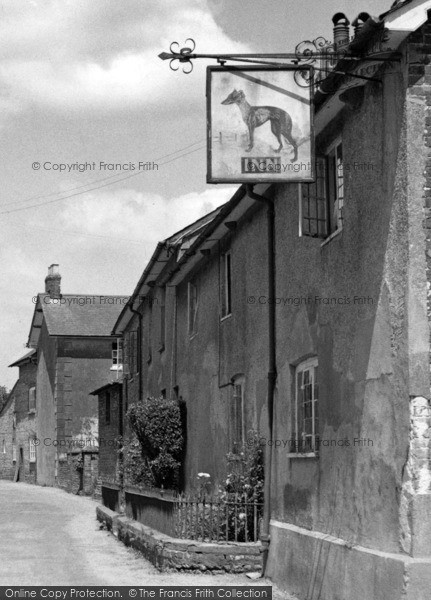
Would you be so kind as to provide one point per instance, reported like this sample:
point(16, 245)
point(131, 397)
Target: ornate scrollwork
point(182, 55)
point(318, 53)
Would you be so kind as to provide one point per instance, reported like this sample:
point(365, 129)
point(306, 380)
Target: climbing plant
point(156, 423)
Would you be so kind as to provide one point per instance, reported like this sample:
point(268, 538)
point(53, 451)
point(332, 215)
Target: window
point(162, 318)
point(321, 202)
point(306, 418)
point(32, 400)
point(226, 285)
point(192, 308)
point(13, 452)
point(237, 416)
point(313, 204)
point(335, 186)
point(117, 352)
point(32, 450)
point(107, 408)
point(4, 446)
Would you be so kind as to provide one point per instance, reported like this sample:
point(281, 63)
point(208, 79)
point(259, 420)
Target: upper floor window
point(117, 352)
point(192, 308)
point(4, 446)
point(226, 284)
point(334, 158)
point(32, 399)
point(321, 202)
point(306, 415)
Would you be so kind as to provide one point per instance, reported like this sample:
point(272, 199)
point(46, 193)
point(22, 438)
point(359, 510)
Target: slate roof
point(23, 359)
point(76, 315)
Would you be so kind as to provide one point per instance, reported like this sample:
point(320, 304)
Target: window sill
point(31, 412)
point(333, 235)
point(302, 455)
point(225, 317)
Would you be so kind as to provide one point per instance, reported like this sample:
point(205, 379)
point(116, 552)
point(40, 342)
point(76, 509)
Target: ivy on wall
point(156, 451)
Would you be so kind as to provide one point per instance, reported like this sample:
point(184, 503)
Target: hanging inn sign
point(259, 124)
point(260, 112)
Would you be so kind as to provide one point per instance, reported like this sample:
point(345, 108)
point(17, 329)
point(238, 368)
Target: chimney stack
point(53, 281)
point(341, 29)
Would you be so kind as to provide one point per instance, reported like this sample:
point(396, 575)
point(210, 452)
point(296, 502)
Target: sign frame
point(259, 178)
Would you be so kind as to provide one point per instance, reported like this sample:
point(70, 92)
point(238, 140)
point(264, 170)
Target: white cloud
point(102, 54)
point(138, 215)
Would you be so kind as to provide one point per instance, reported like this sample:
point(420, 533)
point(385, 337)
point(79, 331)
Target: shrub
point(156, 423)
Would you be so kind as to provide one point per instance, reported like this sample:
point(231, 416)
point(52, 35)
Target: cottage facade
point(17, 424)
point(304, 312)
point(71, 335)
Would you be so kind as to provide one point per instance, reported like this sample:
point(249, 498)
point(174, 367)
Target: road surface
point(49, 537)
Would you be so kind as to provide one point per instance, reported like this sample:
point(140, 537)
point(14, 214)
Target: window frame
point(117, 352)
point(31, 450)
point(329, 193)
point(298, 432)
point(336, 198)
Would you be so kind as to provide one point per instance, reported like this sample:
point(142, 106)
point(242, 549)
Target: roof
point(397, 24)
point(105, 387)
point(182, 240)
point(75, 315)
point(24, 359)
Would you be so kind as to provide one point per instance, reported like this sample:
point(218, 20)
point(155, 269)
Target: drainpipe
point(136, 312)
point(272, 373)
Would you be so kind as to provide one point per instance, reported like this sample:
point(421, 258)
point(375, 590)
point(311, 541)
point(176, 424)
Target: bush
point(156, 423)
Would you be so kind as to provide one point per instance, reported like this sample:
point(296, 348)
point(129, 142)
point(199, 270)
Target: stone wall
point(168, 553)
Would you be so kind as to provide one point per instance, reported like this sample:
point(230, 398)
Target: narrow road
point(49, 537)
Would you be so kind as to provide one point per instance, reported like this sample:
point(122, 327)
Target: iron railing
point(230, 519)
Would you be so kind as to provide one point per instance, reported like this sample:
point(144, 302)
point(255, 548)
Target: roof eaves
point(26, 358)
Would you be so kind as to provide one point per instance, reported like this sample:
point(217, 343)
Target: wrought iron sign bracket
point(307, 53)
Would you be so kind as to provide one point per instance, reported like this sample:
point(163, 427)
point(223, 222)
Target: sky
point(81, 82)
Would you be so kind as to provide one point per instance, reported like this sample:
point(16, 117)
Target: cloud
point(140, 216)
point(102, 54)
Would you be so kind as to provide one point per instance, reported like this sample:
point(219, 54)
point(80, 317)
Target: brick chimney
point(53, 282)
point(341, 29)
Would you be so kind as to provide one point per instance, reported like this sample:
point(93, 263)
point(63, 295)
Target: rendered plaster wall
point(369, 487)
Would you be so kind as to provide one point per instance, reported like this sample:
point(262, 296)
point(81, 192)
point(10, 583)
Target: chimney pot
point(359, 22)
point(53, 282)
point(341, 29)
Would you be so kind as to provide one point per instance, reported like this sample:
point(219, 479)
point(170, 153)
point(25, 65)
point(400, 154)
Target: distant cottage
point(71, 350)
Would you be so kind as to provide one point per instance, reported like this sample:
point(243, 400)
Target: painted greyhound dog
point(255, 116)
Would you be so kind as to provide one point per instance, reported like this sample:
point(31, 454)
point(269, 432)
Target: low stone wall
point(168, 553)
